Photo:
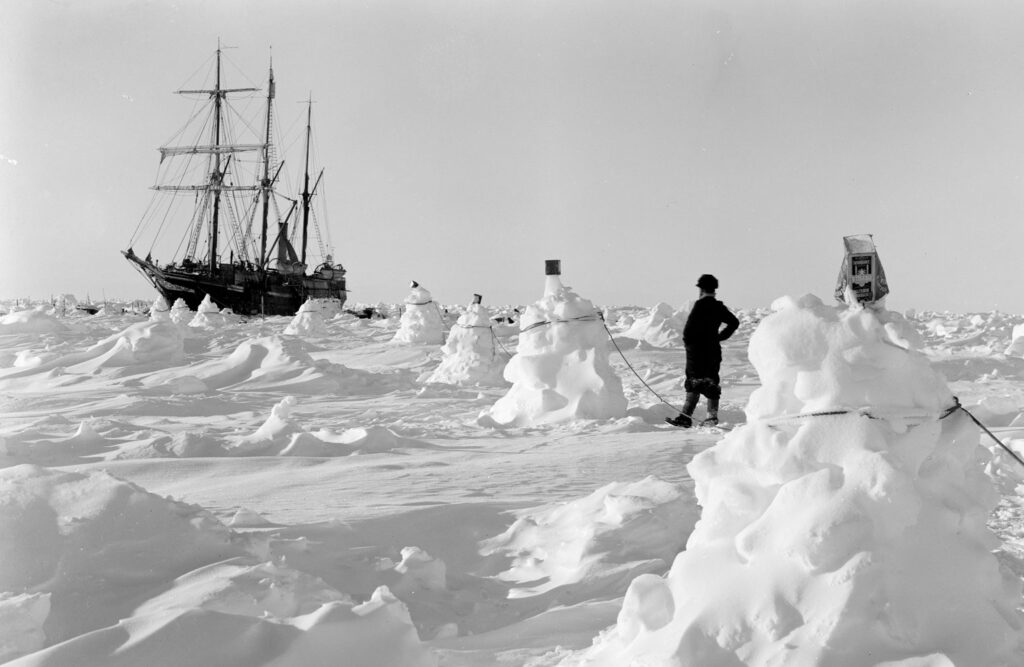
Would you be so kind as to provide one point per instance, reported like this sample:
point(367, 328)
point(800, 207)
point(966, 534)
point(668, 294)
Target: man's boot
point(684, 420)
point(712, 412)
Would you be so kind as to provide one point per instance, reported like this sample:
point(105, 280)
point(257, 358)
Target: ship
point(219, 184)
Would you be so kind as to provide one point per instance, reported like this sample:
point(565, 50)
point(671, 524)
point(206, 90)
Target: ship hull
point(245, 291)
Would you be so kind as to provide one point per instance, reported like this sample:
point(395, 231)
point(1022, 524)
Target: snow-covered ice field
point(294, 492)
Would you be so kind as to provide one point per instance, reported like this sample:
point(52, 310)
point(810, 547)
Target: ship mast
point(305, 186)
point(214, 184)
point(216, 178)
point(307, 195)
point(265, 183)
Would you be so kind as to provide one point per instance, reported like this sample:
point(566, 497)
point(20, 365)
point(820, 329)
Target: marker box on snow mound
point(861, 271)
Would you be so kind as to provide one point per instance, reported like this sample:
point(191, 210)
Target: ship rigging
point(229, 183)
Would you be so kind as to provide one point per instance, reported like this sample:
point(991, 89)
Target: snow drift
point(621, 528)
point(110, 574)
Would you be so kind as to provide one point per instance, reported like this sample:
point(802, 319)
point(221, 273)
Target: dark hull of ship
point(244, 291)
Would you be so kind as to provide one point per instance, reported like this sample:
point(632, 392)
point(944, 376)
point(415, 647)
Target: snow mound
point(421, 322)
point(561, 370)
point(811, 357)
point(208, 316)
point(853, 537)
point(470, 355)
point(180, 312)
point(160, 311)
point(619, 527)
point(309, 321)
point(30, 322)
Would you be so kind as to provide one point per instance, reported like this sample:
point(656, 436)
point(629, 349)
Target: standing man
point(702, 337)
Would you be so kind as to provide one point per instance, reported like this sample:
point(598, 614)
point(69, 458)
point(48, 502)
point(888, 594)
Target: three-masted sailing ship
point(228, 191)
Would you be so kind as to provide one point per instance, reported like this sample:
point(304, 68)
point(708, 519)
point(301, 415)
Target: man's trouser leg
point(713, 392)
point(689, 405)
point(708, 387)
point(712, 411)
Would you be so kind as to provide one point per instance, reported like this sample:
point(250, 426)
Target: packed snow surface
point(246, 494)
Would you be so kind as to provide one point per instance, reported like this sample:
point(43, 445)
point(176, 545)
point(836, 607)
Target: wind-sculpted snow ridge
point(38, 446)
point(620, 530)
point(843, 525)
point(271, 363)
point(281, 435)
point(97, 571)
point(561, 370)
point(30, 322)
point(152, 342)
point(661, 327)
point(140, 347)
point(21, 623)
point(471, 356)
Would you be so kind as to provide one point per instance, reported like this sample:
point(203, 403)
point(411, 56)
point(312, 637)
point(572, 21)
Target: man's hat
point(707, 282)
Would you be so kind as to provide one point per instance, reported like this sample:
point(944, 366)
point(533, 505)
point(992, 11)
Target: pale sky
point(642, 143)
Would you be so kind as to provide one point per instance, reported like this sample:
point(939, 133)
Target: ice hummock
point(561, 370)
point(661, 327)
point(845, 524)
point(471, 356)
point(421, 322)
